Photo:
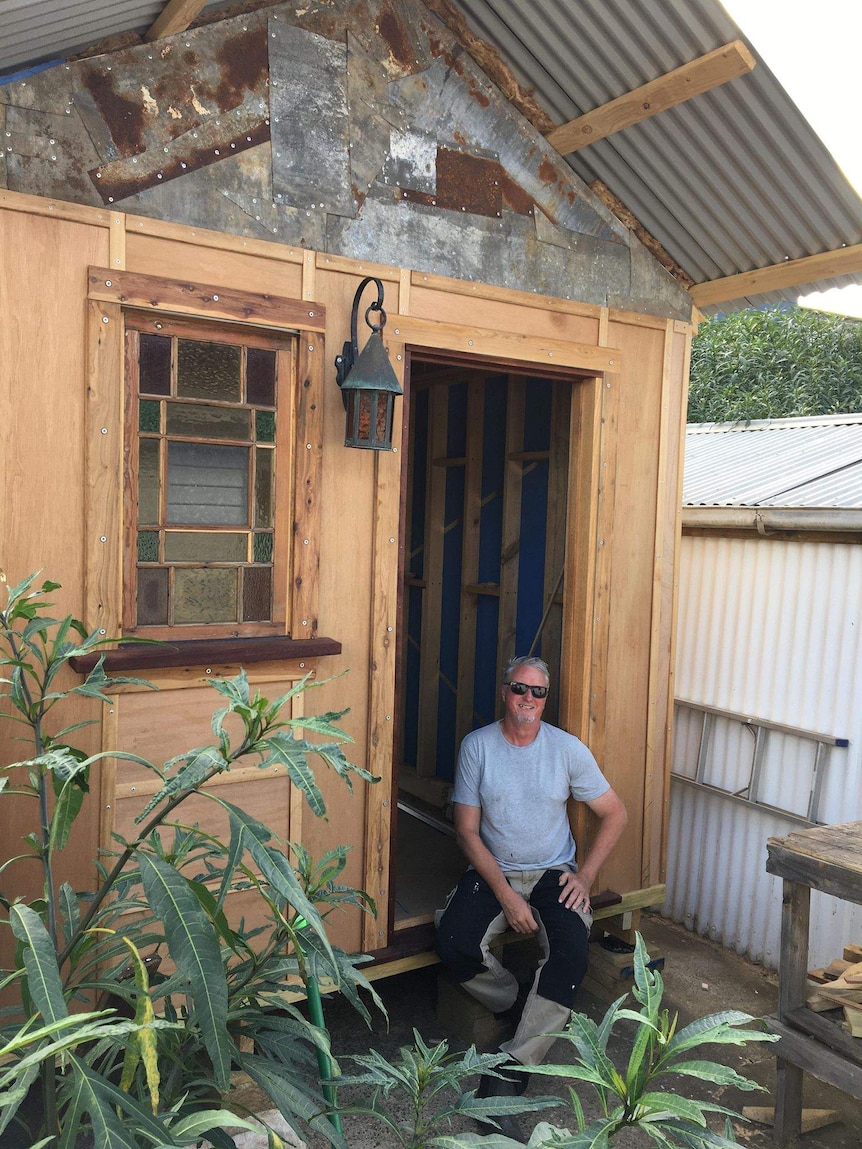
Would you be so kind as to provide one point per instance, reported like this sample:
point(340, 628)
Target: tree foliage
point(775, 363)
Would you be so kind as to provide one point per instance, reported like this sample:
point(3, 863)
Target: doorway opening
point(487, 480)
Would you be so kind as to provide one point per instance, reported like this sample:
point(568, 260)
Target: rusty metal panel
point(467, 111)
point(505, 251)
point(310, 163)
point(209, 143)
point(412, 161)
point(373, 118)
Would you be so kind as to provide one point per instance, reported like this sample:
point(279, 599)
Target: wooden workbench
point(826, 858)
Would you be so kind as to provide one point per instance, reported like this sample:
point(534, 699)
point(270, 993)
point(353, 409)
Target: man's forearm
point(483, 862)
point(608, 834)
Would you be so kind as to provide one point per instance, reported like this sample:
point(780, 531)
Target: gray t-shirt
point(523, 791)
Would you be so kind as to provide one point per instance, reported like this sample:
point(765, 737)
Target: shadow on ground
point(700, 978)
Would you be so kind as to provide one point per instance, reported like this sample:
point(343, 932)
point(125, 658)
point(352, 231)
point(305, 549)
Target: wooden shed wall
point(623, 515)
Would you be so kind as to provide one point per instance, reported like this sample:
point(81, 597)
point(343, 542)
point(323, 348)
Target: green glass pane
point(205, 595)
point(208, 484)
point(264, 423)
point(154, 365)
point(257, 594)
point(263, 548)
point(264, 459)
point(148, 546)
point(205, 547)
point(148, 481)
point(208, 370)
point(152, 597)
point(205, 422)
point(148, 415)
point(260, 376)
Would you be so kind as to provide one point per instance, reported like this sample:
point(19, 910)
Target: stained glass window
point(203, 489)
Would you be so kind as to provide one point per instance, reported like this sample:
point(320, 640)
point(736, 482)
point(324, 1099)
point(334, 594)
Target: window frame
point(136, 322)
point(298, 327)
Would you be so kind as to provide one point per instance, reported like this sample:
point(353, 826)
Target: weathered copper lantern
point(368, 383)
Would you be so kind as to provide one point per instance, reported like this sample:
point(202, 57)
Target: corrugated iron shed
point(728, 182)
point(815, 462)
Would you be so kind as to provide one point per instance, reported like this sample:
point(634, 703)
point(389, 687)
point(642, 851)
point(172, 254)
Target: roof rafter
point(779, 276)
point(692, 79)
point(175, 17)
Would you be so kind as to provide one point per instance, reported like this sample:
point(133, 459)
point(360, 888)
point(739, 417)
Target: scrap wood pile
point(839, 986)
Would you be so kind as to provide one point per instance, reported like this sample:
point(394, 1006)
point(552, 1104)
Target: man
point(513, 782)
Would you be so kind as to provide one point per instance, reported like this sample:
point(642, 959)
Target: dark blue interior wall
point(531, 559)
point(416, 567)
point(453, 545)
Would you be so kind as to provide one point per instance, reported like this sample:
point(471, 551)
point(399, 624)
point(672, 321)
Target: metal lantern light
point(368, 383)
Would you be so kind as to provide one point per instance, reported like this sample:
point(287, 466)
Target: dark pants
point(473, 918)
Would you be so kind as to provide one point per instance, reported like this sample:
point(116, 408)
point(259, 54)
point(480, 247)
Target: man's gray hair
point(525, 660)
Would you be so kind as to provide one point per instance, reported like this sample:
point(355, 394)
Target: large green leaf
point(40, 961)
point(10, 1099)
point(195, 949)
point(100, 1098)
point(108, 1131)
point(200, 764)
point(291, 1096)
point(282, 748)
point(714, 1072)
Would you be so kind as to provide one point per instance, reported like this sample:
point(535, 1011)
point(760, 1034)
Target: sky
point(813, 50)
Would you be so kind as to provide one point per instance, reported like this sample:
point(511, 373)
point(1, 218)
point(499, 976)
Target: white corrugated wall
point(770, 630)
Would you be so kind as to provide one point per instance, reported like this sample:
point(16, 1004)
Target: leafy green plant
point(646, 1094)
point(421, 1075)
point(150, 1064)
point(772, 362)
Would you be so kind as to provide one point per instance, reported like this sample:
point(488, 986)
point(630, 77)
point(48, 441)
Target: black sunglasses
point(522, 688)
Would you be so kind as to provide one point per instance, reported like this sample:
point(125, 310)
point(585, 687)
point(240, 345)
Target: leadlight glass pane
point(148, 546)
point(260, 376)
point(152, 597)
point(205, 595)
point(148, 415)
point(205, 547)
point(204, 422)
point(208, 370)
point(263, 548)
point(257, 594)
point(154, 365)
point(207, 484)
point(263, 487)
point(148, 481)
point(264, 426)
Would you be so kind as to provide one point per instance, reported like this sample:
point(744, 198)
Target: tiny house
point(183, 226)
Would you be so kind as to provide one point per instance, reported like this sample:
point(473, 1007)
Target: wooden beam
point(175, 17)
point(692, 79)
point(778, 276)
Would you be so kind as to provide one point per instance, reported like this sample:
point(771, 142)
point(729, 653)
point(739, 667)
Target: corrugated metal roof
point(814, 462)
point(730, 181)
point(733, 180)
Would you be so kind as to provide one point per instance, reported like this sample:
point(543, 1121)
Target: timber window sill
point(205, 651)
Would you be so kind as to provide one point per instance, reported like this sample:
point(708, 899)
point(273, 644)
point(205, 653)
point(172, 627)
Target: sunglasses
point(522, 688)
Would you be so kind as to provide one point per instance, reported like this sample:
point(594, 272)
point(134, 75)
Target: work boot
point(511, 1083)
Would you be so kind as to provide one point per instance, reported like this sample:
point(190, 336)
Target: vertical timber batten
point(380, 815)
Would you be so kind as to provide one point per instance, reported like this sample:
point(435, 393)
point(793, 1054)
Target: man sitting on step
point(512, 786)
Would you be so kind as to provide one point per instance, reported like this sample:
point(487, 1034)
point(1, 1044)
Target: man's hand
point(518, 913)
point(575, 892)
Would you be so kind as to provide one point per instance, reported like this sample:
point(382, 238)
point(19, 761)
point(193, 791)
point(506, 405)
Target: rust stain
point(514, 196)
point(481, 98)
point(547, 172)
point(460, 139)
point(359, 195)
point(124, 117)
point(244, 64)
point(191, 59)
point(469, 183)
point(396, 36)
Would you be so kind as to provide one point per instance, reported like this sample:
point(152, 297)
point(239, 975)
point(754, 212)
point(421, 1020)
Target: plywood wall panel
point(501, 316)
point(153, 255)
point(631, 586)
point(42, 453)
